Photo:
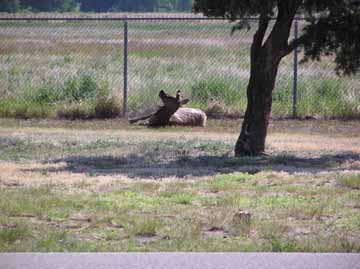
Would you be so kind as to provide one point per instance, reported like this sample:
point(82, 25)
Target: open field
point(105, 186)
point(46, 68)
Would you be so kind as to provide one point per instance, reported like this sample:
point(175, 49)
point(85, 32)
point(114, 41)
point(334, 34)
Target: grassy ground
point(105, 186)
point(200, 58)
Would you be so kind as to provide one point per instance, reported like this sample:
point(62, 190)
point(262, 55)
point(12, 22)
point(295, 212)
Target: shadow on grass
point(141, 166)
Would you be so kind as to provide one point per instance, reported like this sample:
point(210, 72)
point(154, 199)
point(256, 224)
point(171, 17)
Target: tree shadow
point(139, 166)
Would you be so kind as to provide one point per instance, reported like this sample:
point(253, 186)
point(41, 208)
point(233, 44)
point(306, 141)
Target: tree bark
point(251, 141)
point(265, 60)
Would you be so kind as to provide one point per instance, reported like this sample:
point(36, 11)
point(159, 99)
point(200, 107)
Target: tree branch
point(260, 33)
point(278, 38)
point(292, 45)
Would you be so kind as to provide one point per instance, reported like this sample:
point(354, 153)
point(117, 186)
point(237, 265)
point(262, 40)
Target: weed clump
point(107, 105)
point(146, 228)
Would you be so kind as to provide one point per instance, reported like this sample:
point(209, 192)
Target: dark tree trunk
point(251, 141)
point(265, 60)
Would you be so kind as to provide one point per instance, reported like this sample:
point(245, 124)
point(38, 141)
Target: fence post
point(125, 93)
point(295, 85)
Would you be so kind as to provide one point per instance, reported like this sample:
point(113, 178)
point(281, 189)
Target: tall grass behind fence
point(75, 69)
point(200, 58)
point(70, 69)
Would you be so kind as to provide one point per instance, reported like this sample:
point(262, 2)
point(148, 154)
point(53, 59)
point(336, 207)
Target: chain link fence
point(102, 67)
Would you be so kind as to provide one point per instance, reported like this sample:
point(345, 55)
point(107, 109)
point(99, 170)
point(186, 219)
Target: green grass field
point(102, 185)
point(106, 186)
point(44, 65)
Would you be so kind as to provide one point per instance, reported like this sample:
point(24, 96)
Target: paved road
point(180, 260)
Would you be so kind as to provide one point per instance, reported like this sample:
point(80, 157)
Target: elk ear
point(178, 95)
point(162, 94)
point(184, 102)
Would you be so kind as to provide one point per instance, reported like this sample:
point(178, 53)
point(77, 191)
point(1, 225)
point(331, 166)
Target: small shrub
point(107, 106)
point(146, 228)
point(46, 94)
point(183, 198)
point(282, 245)
point(70, 89)
point(88, 87)
point(80, 88)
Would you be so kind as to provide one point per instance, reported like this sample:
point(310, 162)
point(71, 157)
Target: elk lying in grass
point(172, 113)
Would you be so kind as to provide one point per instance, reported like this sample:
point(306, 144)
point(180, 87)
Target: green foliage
point(218, 88)
point(282, 99)
point(68, 5)
point(96, 5)
point(336, 31)
point(10, 235)
point(219, 96)
point(51, 5)
point(146, 228)
point(279, 245)
point(77, 89)
point(53, 240)
point(183, 198)
point(350, 181)
point(47, 93)
point(333, 29)
point(15, 108)
point(79, 97)
point(10, 6)
point(224, 182)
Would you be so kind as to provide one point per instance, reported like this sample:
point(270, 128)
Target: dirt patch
point(34, 173)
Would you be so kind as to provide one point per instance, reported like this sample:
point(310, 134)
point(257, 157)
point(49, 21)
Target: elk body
point(172, 113)
point(186, 116)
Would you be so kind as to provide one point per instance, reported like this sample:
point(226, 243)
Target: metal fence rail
point(85, 67)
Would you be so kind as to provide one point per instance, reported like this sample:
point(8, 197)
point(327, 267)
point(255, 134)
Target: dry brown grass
point(310, 150)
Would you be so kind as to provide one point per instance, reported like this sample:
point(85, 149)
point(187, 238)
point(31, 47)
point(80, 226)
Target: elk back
point(189, 117)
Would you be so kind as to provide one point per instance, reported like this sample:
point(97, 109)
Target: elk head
point(172, 103)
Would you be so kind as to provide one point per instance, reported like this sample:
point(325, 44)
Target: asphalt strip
point(179, 260)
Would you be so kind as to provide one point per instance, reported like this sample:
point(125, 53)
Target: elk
point(172, 113)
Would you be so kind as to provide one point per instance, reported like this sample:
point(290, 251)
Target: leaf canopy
point(333, 25)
